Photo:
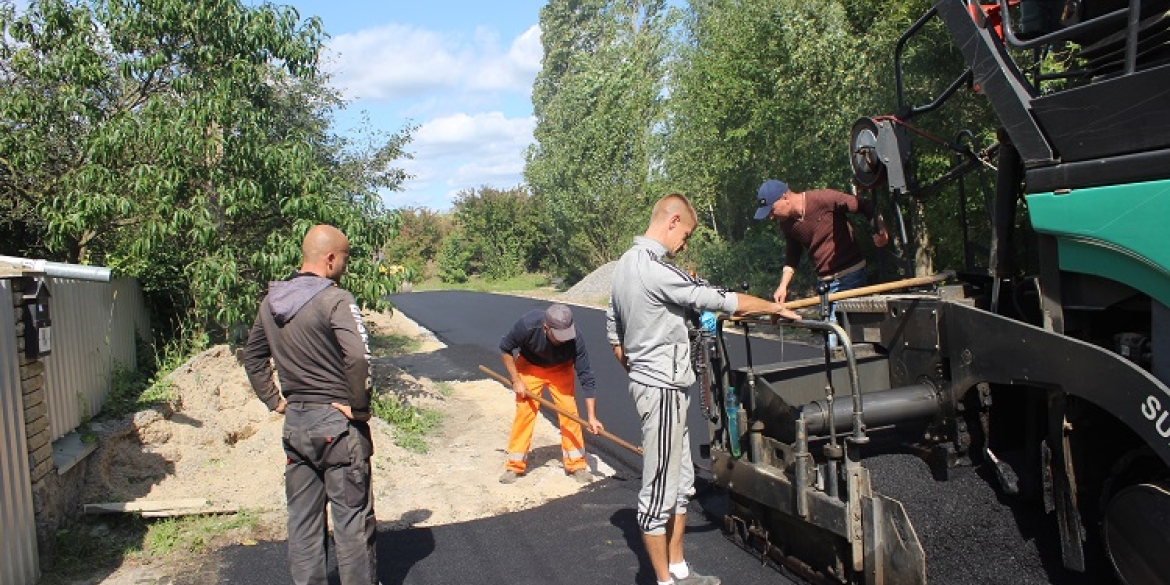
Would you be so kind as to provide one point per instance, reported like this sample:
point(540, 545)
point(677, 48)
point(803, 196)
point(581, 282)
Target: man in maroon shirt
point(817, 221)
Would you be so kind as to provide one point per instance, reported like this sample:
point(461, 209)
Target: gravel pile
point(594, 288)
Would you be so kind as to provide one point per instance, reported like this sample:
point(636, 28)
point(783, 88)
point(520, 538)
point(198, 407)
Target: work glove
point(707, 320)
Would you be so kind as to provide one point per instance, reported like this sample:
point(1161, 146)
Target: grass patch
point(411, 425)
point(522, 282)
point(392, 344)
point(132, 391)
point(93, 545)
point(146, 385)
point(193, 534)
point(445, 389)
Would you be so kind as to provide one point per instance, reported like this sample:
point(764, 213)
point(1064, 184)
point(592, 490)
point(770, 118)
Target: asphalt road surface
point(590, 538)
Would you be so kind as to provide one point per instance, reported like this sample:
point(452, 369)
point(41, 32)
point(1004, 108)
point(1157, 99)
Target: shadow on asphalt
point(400, 550)
point(626, 520)
point(590, 537)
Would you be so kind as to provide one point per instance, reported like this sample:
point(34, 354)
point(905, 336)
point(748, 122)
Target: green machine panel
point(1120, 232)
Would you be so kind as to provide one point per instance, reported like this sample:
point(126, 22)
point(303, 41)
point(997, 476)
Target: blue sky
point(460, 70)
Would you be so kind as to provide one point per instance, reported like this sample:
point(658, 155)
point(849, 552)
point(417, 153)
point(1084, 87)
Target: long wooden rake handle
point(869, 290)
point(561, 411)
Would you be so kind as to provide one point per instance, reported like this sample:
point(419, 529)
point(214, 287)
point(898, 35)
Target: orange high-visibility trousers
point(559, 380)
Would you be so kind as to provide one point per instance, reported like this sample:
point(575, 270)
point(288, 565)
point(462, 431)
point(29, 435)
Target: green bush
point(500, 232)
point(454, 258)
point(419, 239)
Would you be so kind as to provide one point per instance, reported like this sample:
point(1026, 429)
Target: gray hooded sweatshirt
point(312, 332)
point(648, 304)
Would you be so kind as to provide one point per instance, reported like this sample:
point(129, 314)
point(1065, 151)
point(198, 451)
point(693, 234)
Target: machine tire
point(1135, 519)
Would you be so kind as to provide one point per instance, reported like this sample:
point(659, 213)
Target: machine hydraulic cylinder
point(908, 404)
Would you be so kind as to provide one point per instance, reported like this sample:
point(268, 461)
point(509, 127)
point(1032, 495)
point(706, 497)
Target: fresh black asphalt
point(588, 538)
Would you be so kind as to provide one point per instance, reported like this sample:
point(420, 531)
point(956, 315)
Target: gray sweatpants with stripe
point(668, 475)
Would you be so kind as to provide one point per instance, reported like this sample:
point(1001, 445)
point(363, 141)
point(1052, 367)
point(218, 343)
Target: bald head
point(325, 251)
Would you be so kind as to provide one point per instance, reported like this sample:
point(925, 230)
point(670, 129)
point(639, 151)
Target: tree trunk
point(922, 248)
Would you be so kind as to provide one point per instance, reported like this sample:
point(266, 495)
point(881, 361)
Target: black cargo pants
point(329, 461)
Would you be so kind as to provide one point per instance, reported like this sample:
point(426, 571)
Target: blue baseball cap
point(770, 192)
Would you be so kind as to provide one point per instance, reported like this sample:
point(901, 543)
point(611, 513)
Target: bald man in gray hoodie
point(311, 331)
point(646, 326)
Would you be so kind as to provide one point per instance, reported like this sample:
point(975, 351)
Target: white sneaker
point(697, 579)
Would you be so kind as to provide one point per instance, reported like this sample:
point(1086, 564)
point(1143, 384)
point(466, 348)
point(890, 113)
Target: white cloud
point(513, 70)
point(395, 61)
point(462, 132)
point(466, 151)
point(391, 61)
point(527, 51)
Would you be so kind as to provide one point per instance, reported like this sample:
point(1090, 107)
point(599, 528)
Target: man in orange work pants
point(544, 349)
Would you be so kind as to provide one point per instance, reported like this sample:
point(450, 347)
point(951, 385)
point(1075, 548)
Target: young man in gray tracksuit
point(646, 326)
point(311, 330)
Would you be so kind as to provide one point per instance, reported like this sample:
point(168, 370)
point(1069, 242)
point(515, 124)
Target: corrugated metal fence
point(94, 324)
point(93, 333)
point(18, 553)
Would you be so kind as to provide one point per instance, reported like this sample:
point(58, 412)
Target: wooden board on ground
point(159, 508)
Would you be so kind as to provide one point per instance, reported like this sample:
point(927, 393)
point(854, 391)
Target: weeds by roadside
point(411, 424)
point(95, 542)
point(445, 389)
point(146, 385)
point(132, 391)
point(194, 534)
point(392, 344)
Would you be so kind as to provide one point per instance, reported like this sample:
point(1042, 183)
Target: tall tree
point(597, 101)
point(184, 142)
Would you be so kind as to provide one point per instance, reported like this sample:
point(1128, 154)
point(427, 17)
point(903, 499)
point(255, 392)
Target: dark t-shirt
point(528, 336)
point(824, 230)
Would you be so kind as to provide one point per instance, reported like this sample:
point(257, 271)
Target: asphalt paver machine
point(1055, 383)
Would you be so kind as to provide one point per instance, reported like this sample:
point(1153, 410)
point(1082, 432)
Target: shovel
point(561, 411)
